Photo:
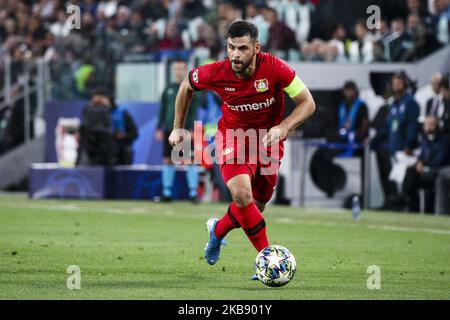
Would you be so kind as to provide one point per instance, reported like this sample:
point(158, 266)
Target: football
point(275, 266)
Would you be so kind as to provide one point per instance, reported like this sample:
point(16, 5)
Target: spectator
point(226, 14)
point(111, 29)
point(361, 50)
point(297, 16)
point(443, 114)
point(399, 42)
point(12, 132)
point(253, 15)
point(22, 23)
point(338, 40)
point(379, 52)
point(433, 104)
point(61, 73)
point(48, 46)
point(108, 8)
point(7, 27)
point(155, 10)
point(353, 123)
point(353, 120)
point(172, 38)
point(85, 79)
point(89, 6)
point(413, 22)
point(125, 133)
point(400, 129)
point(281, 37)
point(36, 29)
point(401, 125)
point(382, 153)
point(434, 151)
point(137, 26)
point(61, 28)
point(207, 38)
point(383, 32)
point(441, 21)
point(423, 42)
point(122, 19)
point(89, 30)
point(315, 50)
point(164, 127)
point(44, 8)
point(415, 7)
point(97, 143)
point(351, 127)
point(190, 9)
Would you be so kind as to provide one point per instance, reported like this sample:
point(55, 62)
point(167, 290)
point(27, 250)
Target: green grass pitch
point(146, 250)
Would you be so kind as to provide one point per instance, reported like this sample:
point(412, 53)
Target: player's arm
point(182, 103)
point(305, 107)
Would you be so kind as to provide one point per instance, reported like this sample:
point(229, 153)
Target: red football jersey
point(254, 103)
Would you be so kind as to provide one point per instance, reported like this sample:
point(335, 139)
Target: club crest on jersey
point(262, 85)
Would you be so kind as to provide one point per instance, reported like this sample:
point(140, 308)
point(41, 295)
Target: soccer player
point(251, 84)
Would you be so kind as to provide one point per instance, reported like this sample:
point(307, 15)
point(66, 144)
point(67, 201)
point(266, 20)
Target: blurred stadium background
point(55, 54)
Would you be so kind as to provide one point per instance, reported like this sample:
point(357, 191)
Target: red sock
point(226, 224)
point(253, 223)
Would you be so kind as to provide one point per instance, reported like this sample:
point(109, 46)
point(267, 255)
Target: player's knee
point(242, 196)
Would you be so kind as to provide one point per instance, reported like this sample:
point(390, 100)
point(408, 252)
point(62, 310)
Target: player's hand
point(176, 138)
point(275, 135)
point(159, 135)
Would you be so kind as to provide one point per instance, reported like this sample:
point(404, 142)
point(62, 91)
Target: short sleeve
point(200, 77)
point(284, 73)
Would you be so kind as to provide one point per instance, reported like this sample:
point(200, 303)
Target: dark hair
point(362, 23)
point(179, 60)
point(444, 83)
point(410, 84)
point(242, 28)
point(402, 76)
point(350, 85)
point(100, 91)
point(336, 25)
point(398, 19)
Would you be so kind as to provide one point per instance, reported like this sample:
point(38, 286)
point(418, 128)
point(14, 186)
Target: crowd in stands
point(399, 139)
point(83, 58)
point(293, 29)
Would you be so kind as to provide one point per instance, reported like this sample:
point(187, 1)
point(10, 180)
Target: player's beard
point(242, 67)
